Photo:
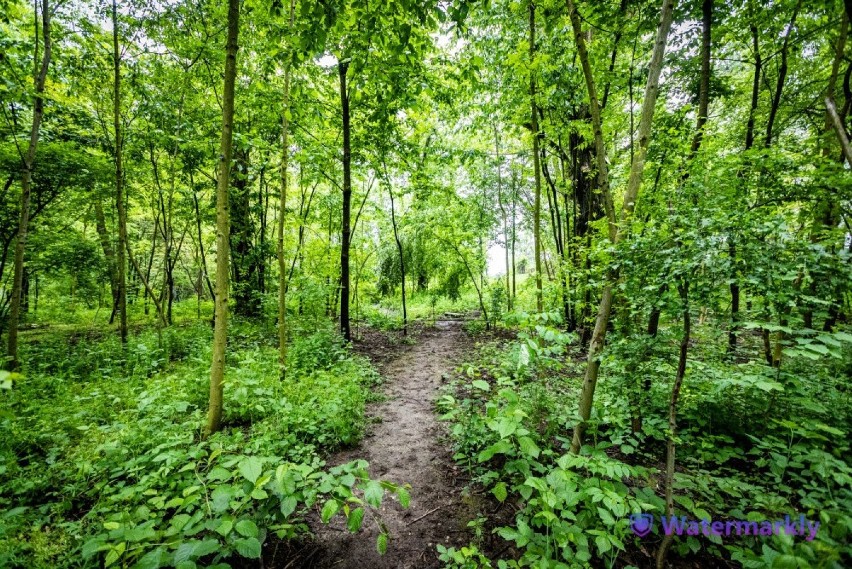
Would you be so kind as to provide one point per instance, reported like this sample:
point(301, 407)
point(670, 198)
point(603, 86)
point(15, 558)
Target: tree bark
point(28, 164)
point(782, 76)
point(401, 262)
point(121, 263)
point(536, 166)
point(220, 331)
point(683, 288)
point(633, 185)
point(109, 254)
point(503, 216)
point(343, 68)
point(839, 129)
point(285, 161)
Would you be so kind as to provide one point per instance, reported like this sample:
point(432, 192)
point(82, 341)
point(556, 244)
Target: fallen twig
point(430, 512)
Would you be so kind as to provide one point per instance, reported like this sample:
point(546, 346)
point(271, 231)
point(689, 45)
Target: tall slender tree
point(28, 159)
point(536, 165)
point(346, 231)
point(220, 332)
point(118, 142)
point(631, 194)
point(285, 162)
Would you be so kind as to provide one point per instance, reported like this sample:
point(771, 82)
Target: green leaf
point(221, 497)
point(373, 493)
point(481, 384)
point(500, 491)
point(248, 547)
point(500, 447)
point(246, 528)
point(528, 447)
point(288, 505)
point(356, 518)
point(329, 509)
point(251, 467)
point(404, 497)
point(225, 527)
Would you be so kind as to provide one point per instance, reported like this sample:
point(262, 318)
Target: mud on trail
point(403, 445)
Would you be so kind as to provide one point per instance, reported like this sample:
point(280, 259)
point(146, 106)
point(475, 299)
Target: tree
point(220, 333)
point(119, 180)
point(634, 183)
point(27, 165)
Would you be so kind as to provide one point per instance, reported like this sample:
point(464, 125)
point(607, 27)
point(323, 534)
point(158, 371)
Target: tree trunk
point(633, 185)
point(26, 183)
point(683, 288)
point(285, 161)
point(220, 332)
point(201, 242)
point(121, 263)
point(503, 216)
point(536, 167)
point(109, 254)
point(782, 76)
point(401, 262)
point(698, 137)
point(343, 68)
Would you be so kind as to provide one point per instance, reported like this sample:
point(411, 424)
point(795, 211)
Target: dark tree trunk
point(343, 68)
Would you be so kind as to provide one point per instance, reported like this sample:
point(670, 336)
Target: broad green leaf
point(500, 491)
point(373, 493)
point(251, 467)
point(356, 518)
point(246, 528)
point(329, 509)
point(248, 547)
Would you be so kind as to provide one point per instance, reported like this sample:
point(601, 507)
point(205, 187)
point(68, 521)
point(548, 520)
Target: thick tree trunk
point(343, 68)
point(704, 87)
point(26, 183)
point(220, 332)
point(633, 185)
point(536, 167)
point(244, 270)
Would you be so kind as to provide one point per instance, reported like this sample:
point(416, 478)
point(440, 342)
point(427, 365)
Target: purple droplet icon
point(641, 524)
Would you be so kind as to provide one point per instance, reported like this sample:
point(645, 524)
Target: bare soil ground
point(403, 445)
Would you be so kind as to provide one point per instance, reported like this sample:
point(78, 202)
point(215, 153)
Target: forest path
point(404, 448)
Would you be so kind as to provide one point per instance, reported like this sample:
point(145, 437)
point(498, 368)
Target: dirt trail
point(404, 448)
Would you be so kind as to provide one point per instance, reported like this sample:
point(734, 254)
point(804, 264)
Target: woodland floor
point(403, 444)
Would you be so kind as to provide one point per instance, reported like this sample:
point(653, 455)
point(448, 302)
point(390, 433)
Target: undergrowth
point(103, 463)
point(511, 412)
